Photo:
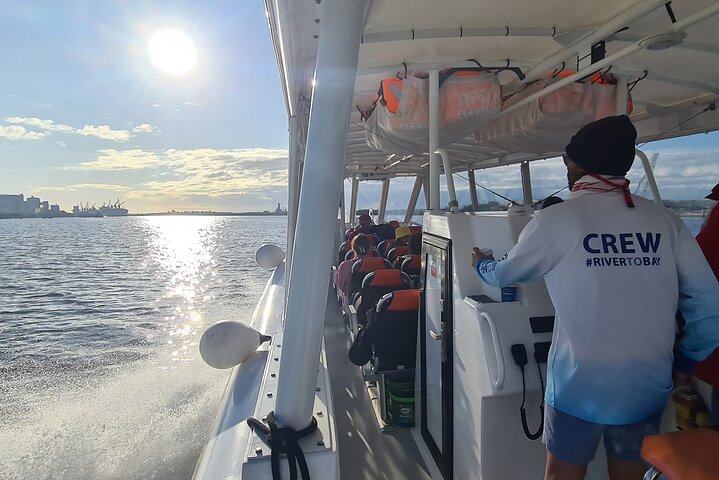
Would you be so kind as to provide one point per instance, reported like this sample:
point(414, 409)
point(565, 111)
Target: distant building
point(55, 208)
point(44, 206)
point(32, 206)
point(12, 204)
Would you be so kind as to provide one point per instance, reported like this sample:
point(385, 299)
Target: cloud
point(111, 159)
point(83, 186)
point(193, 104)
point(104, 132)
point(48, 125)
point(195, 173)
point(146, 128)
point(17, 132)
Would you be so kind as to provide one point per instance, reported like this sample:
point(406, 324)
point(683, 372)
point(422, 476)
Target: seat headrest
point(384, 278)
point(400, 300)
point(370, 264)
point(412, 263)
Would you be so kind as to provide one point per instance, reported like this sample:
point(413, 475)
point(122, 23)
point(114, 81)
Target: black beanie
point(605, 147)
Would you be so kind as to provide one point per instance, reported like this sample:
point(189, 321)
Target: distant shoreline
point(159, 214)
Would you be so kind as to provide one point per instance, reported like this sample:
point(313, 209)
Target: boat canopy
point(665, 54)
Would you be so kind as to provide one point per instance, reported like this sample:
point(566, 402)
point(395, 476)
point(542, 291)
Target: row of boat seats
point(393, 332)
point(376, 285)
point(361, 268)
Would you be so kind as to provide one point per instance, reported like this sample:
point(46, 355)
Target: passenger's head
point(415, 244)
point(604, 147)
point(361, 246)
point(402, 235)
point(365, 220)
point(393, 223)
point(549, 201)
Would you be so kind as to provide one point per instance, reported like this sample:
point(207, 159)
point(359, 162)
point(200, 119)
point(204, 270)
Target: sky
point(85, 115)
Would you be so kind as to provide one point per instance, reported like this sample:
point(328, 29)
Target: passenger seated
point(343, 278)
point(386, 245)
point(374, 286)
point(360, 269)
point(415, 248)
point(364, 227)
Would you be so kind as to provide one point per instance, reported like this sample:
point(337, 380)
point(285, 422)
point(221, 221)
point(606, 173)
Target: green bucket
point(400, 403)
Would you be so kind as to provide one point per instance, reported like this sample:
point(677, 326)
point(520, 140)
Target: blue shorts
point(574, 440)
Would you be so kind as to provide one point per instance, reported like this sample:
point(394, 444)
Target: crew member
point(617, 268)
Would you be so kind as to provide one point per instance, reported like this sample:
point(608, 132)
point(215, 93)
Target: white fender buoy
point(269, 256)
point(228, 343)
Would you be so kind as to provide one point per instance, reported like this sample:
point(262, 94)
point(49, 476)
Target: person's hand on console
point(481, 254)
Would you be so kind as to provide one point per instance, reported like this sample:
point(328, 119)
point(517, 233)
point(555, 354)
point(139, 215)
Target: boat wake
point(149, 421)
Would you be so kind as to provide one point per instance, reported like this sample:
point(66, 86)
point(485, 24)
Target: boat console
point(474, 342)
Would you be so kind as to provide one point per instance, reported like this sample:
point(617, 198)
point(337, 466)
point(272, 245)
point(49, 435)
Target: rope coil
point(284, 440)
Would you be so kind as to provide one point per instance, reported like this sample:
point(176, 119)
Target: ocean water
point(100, 375)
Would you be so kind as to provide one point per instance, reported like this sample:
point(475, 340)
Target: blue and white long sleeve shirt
point(617, 276)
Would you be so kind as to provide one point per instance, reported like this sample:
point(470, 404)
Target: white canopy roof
point(678, 83)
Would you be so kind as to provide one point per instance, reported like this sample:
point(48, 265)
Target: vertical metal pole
point(353, 201)
point(383, 200)
point(339, 41)
point(650, 177)
point(473, 190)
point(453, 204)
point(622, 94)
point(343, 218)
point(425, 189)
point(293, 187)
point(413, 199)
point(526, 184)
point(433, 140)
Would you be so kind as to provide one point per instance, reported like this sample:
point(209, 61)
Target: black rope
point(635, 82)
point(670, 12)
point(284, 440)
point(709, 108)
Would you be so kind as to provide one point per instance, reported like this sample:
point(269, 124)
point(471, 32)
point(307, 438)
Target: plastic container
point(400, 402)
point(509, 294)
point(687, 406)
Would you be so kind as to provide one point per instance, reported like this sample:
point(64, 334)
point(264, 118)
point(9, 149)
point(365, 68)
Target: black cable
point(709, 108)
point(523, 412)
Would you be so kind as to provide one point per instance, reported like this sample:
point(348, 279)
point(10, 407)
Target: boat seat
point(415, 229)
point(350, 255)
point(686, 455)
point(374, 286)
point(394, 331)
point(395, 252)
point(385, 245)
point(342, 251)
point(412, 266)
point(361, 268)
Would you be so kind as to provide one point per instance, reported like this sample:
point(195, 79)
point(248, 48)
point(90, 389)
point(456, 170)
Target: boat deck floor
point(365, 452)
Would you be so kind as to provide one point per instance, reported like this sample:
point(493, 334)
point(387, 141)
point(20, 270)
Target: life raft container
point(398, 122)
point(548, 123)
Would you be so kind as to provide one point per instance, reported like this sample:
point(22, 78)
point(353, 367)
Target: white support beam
point(446, 163)
point(335, 73)
point(293, 188)
point(383, 200)
point(434, 159)
point(353, 201)
point(526, 184)
point(464, 32)
point(418, 181)
point(473, 190)
point(660, 77)
point(650, 177)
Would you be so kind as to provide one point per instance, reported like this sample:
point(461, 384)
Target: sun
point(172, 51)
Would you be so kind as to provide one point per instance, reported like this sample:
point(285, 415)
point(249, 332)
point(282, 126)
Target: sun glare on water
point(172, 51)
